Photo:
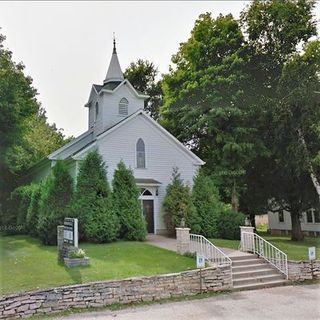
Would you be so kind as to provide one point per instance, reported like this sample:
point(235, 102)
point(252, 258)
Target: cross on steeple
point(114, 45)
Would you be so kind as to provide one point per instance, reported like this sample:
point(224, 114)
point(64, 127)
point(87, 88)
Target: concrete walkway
point(171, 244)
point(280, 303)
point(162, 242)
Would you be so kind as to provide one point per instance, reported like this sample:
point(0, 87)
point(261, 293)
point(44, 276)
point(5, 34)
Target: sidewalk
point(171, 244)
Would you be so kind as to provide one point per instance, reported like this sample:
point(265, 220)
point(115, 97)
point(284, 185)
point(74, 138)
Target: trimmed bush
point(206, 200)
point(54, 203)
point(229, 223)
point(177, 204)
point(92, 203)
point(20, 200)
point(33, 210)
point(127, 205)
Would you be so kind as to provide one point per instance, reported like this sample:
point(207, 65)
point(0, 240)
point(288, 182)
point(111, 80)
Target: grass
point(294, 250)
point(225, 243)
point(25, 264)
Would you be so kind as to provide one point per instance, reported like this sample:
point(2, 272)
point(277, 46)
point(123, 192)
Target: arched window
point(123, 107)
point(97, 110)
point(141, 155)
point(145, 192)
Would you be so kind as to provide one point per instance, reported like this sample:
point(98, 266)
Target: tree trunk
point(252, 218)
point(296, 234)
point(234, 198)
point(313, 176)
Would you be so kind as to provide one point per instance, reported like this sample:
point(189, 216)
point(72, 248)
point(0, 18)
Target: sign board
point(312, 253)
point(201, 263)
point(70, 232)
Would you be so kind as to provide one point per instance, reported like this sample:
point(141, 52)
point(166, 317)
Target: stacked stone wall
point(304, 270)
point(103, 293)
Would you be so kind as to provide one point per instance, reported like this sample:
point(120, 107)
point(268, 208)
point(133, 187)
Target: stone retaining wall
point(98, 294)
point(303, 270)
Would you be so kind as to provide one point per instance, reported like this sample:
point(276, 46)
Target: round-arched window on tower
point(141, 154)
point(123, 107)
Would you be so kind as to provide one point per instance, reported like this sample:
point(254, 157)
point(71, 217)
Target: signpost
point(312, 256)
point(201, 263)
point(70, 232)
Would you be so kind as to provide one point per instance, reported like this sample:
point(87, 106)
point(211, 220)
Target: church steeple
point(114, 71)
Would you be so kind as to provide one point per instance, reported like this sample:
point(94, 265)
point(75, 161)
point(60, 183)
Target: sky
point(67, 46)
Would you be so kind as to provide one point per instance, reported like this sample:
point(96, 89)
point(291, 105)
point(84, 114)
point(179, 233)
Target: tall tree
point(127, 205)
point(92, 202)
point(275, 32)
point(205, 101)
point(206, 199)
point(55, 202)
point(177, 205)
point(17, 102)
point(142, 75)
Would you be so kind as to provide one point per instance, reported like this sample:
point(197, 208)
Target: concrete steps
point(250, 272)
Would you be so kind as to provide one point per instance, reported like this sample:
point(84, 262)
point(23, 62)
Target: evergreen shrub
point(92, 203)
point(54, 203)
point(127, 205)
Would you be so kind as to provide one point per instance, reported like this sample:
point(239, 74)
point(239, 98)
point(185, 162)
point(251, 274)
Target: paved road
point(283, 303)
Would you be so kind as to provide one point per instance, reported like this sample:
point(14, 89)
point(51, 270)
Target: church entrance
point(147, 199)
point(148, 212)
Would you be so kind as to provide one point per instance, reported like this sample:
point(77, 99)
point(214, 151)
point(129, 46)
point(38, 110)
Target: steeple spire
point(114, 45)
point(114, 71)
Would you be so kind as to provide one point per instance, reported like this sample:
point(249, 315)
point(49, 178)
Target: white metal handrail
point(251, 242)
point(201, 245)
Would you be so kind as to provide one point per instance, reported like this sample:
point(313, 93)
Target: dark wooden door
point(148, 214)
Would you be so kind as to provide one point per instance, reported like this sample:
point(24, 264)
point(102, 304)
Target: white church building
point(120, 129)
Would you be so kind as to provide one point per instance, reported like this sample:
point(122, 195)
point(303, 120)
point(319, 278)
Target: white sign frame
point(201, 262)
point(312, 253)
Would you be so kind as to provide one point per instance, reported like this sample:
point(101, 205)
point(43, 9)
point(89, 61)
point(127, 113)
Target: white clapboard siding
point(162, 154)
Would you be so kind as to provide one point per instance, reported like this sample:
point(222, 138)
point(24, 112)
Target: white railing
point(201, 245)
point(251, 242)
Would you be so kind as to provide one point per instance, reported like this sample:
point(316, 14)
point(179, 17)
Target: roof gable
point(174, 141)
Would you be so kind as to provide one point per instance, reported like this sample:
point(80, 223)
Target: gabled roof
point(72, 147)
point(176, 142)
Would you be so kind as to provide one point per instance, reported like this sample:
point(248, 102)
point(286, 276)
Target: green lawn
point(224, 243)
point(294, 250)
point(25, 264)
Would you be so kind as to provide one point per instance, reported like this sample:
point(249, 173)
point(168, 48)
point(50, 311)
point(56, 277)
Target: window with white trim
point(141, 154)
point(309, 216)
point(281, 216)
point(123, 107)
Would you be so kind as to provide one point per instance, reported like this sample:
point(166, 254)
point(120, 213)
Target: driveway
point(283, 303)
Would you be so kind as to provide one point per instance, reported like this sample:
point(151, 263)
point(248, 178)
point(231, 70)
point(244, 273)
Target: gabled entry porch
point(149, 202)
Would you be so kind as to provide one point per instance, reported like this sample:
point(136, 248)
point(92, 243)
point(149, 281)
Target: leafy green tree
point(33, 210)
point(21, 197)
point(54, 203)
point(142, 75)
point(177, 205)
point(228, 224)
point(17, 102)
point(39, 140)
point(206, 199)
point(92, 203)
point(127, 205)
point(25, 136)
point(204, 100)
point(284, 85)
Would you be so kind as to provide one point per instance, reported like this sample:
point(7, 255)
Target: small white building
point(120, 129)
point(280, 222)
